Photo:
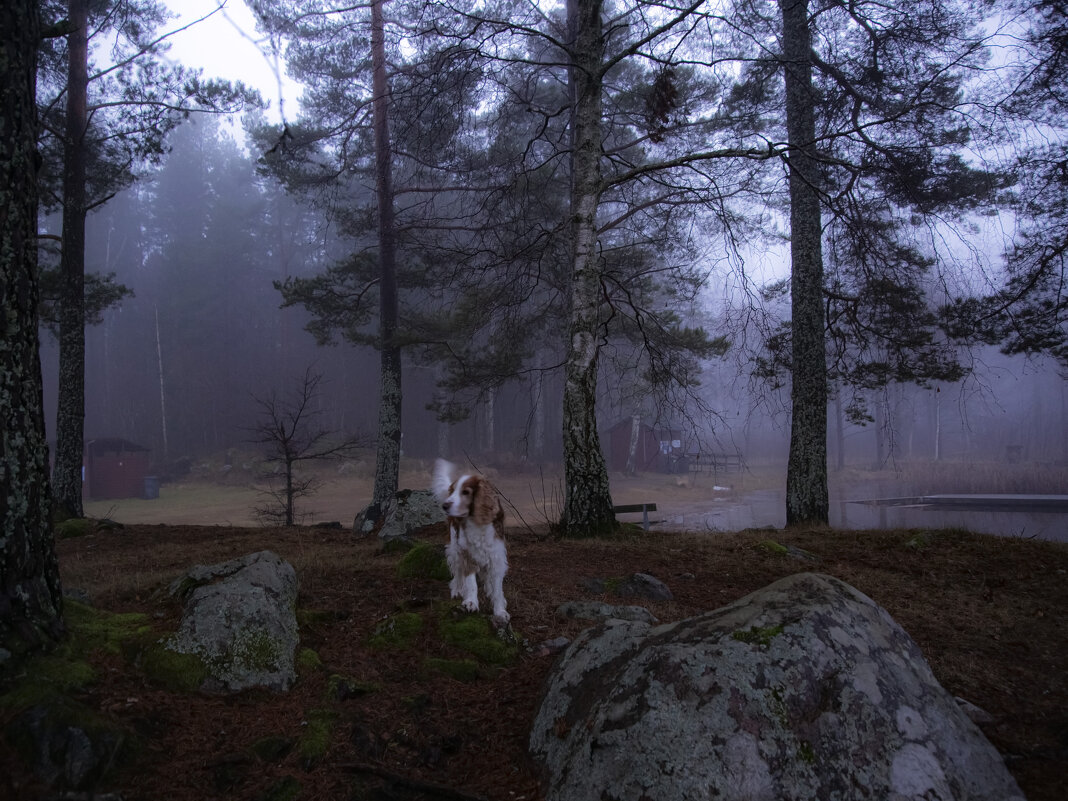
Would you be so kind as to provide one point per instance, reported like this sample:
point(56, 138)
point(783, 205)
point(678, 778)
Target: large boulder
point(804, 690)
point(240, 620)
point(406, 512)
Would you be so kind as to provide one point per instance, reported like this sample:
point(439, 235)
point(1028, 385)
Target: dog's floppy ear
point(485, 506)
point(442, 479)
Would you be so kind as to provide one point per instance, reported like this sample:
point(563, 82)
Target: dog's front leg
point(456, 564)
point(494, 584)
point(470, 593)
point(463, 584)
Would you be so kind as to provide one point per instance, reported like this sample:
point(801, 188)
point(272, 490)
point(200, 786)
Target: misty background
point(177, 366)
point(200, 240)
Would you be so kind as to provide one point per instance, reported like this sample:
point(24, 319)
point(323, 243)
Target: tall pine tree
point(30, 597)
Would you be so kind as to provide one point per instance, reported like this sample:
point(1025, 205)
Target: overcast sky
point(227, 45)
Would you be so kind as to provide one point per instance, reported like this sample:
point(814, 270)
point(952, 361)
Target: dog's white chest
point(476, 541)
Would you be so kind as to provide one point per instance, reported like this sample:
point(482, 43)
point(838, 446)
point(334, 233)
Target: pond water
point(768, 508)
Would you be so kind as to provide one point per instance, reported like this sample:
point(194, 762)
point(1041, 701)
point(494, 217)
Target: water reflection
point(767, 508)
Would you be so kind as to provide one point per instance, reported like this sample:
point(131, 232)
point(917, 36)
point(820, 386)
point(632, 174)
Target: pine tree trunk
point(806, 476)
point(387, 467)
point(30, 597)
point(587, 499)
point(70, 413)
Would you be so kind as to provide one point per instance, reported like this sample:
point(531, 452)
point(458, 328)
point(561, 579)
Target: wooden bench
point(644, 508)
point(715, 462)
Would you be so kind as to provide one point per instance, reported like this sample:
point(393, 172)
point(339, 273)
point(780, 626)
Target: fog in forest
point(413, 229)
point(178, 366)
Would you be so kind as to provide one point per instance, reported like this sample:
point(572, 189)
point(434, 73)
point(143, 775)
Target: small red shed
point(114, 468)
point(658, 449)
point(648, 451)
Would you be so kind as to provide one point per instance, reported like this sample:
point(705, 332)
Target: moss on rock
point(756, 635)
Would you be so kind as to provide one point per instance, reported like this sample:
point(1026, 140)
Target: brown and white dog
point(476, 537)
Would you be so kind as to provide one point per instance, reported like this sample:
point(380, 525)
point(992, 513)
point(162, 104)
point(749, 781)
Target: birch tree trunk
point(70, 412)
point(806, 475)
point(632, 448)
point(839, 430)
point(387, 466)
point(538, 410)
point(30, 597)
point(587, 499)
point(489, 423)
point(162, 389)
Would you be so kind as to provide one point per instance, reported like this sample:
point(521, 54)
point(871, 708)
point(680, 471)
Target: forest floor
point(987, 612)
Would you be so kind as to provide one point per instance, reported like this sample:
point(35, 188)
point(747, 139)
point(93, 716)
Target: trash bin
point(151, 488)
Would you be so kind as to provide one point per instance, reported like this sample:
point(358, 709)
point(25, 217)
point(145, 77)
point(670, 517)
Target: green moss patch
point(308, 661)
point(755, 635)
point(95, 629)
point(475, 635)
point(46, 678)
point(315, 739)
point(175, 671)
point(397, 631)
point(771, 546)
point(67, 669)
point(74, 527)
point(424, 561)
point(258, 651)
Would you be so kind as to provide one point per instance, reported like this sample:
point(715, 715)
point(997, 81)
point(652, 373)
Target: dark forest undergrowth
point(421, 718)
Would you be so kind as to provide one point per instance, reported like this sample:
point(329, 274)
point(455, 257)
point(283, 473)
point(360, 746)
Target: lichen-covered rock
point(803, 690)
point(240, 620)
point(409, 511)
point(637, 585)
point(643, 585)
point(595, 610)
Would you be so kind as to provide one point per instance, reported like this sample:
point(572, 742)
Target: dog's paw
point(471, 606)
point(500, 619)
